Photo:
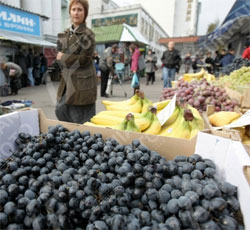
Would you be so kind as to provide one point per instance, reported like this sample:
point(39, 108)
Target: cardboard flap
point(246, 170)
point(234, 95)
point(246, 98)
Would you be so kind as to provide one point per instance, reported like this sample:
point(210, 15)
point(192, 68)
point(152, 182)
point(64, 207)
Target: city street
point(44, 96)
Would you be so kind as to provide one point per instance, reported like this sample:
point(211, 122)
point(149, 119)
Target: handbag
point(135, 81)
point(12, 73)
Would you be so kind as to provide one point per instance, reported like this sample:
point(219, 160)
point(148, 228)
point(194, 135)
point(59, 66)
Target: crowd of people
point(24, 70)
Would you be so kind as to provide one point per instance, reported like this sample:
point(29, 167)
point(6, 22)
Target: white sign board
point(14, 123)
point(230, 157)
point(166, 113)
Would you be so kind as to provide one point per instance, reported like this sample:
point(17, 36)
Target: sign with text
point(130, 19)
point(19, 21)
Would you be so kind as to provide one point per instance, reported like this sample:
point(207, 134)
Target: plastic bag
point(135, 81)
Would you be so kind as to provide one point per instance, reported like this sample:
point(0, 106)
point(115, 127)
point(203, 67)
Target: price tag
point(166, 113)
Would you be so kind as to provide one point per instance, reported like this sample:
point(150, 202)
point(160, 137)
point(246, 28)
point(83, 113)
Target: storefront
point(20, 29)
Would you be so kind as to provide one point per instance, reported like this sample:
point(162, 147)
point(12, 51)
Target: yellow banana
point(120, 114)
point(145, 121)
point(195, 127)
point(155, 127)
point(191, 76)
point(197, 117)
point(179, 129)
point(130, 101)
point(137, 107)
point(173, 117)
point(161, 104)
point(106, 120)
point(95, 125)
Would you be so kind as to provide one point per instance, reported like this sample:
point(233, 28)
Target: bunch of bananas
point(197, 76)
point(184, 123)
point(138, 114)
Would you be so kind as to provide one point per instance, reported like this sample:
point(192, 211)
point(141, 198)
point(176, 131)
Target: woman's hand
point(59, 55)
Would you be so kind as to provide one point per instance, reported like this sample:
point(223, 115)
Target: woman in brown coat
point(78, 86)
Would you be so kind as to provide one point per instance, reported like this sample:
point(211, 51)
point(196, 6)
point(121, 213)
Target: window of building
point(142, 25)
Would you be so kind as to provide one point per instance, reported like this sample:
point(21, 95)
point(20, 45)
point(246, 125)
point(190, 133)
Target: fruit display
point(199, 94)
point(72, 180)
point(185, 122)
point(198, 76)
point(237, 79)
point(237, 64)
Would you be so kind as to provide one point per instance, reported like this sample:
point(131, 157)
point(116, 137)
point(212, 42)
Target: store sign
point(19, 21)
point(189, 10)
point(128, 19)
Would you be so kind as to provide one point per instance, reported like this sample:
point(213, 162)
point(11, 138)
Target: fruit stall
point(65, 175)
point(180, 163)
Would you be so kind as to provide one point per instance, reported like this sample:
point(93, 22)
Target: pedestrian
point(20, 60)
point(43, 67)
point(150, 61)
point(171, 63)
point(155, 65)
point(210, 63)
point(96, 62)
point(12, 72)
point(36, 69)
point(246, 52)
point(77, 91)
point(30, 64)
point(228, 58)
point(187, 62)
point(217, 64)
point(134, 67)
point(107, 67)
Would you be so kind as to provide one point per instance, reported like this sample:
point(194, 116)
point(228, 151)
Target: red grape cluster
point(199, 94)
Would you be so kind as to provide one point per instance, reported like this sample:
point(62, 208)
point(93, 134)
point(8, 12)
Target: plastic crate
point(4, 91)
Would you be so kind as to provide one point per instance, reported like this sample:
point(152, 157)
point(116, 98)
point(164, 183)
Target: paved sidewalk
point(44, 96)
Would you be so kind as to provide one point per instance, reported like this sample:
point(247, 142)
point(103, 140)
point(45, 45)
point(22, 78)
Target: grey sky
point(210, 11)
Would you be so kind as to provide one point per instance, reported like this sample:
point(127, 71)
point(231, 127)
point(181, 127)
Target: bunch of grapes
point(199, 94)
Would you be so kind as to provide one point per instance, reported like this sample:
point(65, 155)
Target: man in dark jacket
point(210, 63)
point(107, 67)
point(228, 58)
point(20, 60)
point(30, 65)
point(36, 69)
point(171, 62)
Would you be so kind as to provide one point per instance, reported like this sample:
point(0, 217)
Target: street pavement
point(44, 96)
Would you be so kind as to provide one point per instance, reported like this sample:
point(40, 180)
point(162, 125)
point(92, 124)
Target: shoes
point(105, 95)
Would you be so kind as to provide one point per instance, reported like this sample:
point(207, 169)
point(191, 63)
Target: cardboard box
point(233, 164)
point(165, 146)
point(243, 98)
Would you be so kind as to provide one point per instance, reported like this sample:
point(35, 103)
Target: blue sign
point(19, 21)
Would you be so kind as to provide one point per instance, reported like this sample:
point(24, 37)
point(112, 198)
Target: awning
point(118, 33)
point(22, 38)
point(131, 34)
point(237, 21)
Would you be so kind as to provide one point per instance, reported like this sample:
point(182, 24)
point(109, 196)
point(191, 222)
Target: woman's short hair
point(132, 47)
point(85, 5)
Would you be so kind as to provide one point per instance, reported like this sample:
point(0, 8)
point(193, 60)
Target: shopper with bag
point(77, 91)
point(12, 72)
point(135, 66)
point(107, 66)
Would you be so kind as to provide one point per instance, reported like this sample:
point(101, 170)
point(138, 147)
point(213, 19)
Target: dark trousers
point(150, 77)
point(14, 85)
point(24, 80)
point(104, 82)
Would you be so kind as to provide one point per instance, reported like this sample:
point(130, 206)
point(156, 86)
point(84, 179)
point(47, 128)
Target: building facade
point(105, 13)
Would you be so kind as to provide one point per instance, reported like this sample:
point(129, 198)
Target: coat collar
point(80, 29)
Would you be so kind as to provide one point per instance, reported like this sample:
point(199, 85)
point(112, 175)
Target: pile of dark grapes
point(72, 180)
point(237, 64)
